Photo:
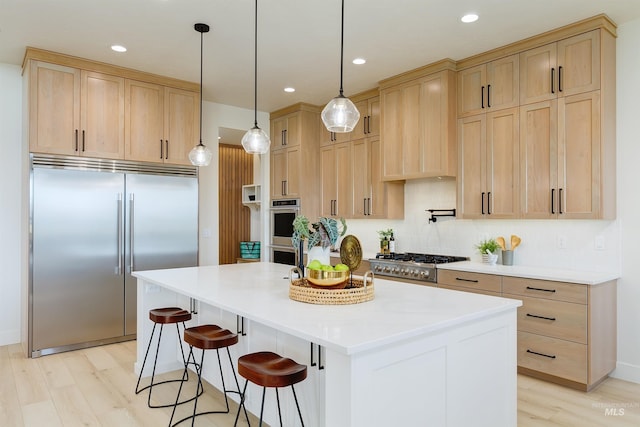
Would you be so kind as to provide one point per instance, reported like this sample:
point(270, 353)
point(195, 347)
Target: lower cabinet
point(566, 331)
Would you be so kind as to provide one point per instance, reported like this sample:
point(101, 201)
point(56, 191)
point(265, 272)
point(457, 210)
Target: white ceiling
point(299, 40)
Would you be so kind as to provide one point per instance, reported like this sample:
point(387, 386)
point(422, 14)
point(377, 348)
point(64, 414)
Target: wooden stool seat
point(270, 369)
point(169, 315)
point(209, 337)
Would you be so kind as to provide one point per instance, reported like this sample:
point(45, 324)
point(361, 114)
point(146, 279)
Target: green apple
point(341, 267)
point(326, 267)
point(314, 265)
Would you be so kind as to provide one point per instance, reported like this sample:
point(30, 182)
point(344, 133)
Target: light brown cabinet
point(330, 138)
point(489, 87)
point(567, 67)
point(161, 123)
point(373, 197)
point(75, 112)
point(295, 156)
point(336, 182)
point(488, 176)
point(418, 126)
point(566, 331)
point(369, 123)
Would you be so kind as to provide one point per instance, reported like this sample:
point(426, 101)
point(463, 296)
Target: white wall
point(11, 216)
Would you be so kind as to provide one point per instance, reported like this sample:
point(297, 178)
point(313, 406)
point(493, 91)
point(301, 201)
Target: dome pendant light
point(256, 141)
point(200, 155)
point(340, 114)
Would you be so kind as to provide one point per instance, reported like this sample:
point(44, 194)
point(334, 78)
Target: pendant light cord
point(201, 60)
point(341, 47)
point(255, 73)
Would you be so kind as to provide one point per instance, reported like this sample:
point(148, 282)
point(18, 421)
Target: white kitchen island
point(415, 355)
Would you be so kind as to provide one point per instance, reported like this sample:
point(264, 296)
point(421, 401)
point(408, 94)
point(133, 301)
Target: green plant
point(489, 244)
point(385, 234)
point(325, 232)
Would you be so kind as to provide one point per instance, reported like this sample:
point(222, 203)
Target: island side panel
point(435, 379)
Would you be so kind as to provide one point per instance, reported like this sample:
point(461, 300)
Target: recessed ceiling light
point(118, 48)
point(471, 17)
point(359, 61)
point(289, 89)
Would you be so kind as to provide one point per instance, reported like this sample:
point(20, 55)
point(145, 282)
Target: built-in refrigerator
point(93, 222)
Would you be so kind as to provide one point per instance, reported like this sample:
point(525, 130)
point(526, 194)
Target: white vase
point(490, 259)
point(321, 254)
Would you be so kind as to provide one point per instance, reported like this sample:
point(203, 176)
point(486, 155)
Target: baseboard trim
point(9, 337)
point(626, 372)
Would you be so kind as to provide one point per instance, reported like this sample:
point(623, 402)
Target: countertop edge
point(540, 273)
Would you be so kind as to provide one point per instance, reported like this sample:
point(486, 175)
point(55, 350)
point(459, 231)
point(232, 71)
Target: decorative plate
point(351, 252)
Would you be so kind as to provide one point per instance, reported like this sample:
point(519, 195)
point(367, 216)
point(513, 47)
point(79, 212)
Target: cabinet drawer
point(561, 291)
point(552, 356)
point(473, 290)
point(464, 279)
point(557, 319)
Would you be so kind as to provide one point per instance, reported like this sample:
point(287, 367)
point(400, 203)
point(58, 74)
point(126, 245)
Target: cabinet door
point(471, 90)
point(361, 178)
point(503, 159)
point(102, 116)
point(54, 108)
point(373, 124)
point(412, 130)
point(144, 121)
point(328, 181)
point(503, 83)
point(472, 166)
point(369, 123)
point(293, 130)
point(392, 133)
point(579, 64)
point(344, 181)
point(538, 74)
point(579, 173)
point(181, 124)
point(360, 130)
point(294, 171)
point(278, 174)
point(277, 132)
point(437, 103)
point(539, 159)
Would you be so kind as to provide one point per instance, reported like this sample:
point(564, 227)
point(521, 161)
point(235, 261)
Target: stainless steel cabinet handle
point(131, 230)
point(119, 231)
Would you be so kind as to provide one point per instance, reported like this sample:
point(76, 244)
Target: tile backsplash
point(592, 245)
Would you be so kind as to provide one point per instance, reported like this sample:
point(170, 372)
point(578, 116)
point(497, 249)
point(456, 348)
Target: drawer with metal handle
point(553, 356)
point(557, 319)
point(560, 291)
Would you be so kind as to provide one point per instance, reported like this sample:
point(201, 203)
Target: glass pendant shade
point(200, 155)
point(340, 115)
point(256, 141)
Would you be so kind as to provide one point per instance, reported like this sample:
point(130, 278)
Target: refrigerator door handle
point(119, 239)
point(131, 232)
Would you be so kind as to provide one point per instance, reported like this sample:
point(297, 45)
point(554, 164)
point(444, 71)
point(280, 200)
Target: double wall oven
point(283, 212)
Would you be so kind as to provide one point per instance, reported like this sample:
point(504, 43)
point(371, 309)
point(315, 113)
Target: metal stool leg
point(242, 395)
point(297, 406)
point(264, 390)
point(278, 402)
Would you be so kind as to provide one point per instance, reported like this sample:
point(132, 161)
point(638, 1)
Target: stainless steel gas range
point(411, 267)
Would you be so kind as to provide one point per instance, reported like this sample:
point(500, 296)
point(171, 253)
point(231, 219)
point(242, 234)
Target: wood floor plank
point(95, 387)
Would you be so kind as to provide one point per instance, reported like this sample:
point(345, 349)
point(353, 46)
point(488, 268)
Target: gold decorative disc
point(351, 252)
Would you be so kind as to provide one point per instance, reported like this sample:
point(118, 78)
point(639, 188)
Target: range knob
point(415, 273)
point(377, 268)
point(396, 270)
point(405, 272)
point(387, 269)
point(424, 274)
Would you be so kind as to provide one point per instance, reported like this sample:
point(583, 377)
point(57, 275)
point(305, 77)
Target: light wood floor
point(95, 387)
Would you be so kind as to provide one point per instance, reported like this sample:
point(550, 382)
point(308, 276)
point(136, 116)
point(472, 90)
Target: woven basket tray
point(301, 290)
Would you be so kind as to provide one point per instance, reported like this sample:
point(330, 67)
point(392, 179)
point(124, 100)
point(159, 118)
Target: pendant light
point(256, 141)
point(340, 114)
point(200, 155)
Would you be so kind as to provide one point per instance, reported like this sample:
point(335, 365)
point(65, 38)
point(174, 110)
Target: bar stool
point(163, 316)
point(207, 337)
point(269, 369)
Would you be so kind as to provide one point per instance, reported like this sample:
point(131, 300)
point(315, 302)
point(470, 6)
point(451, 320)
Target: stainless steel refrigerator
point(93, 222)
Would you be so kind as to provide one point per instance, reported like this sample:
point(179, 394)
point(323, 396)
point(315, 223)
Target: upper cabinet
point(556, 147)
point(368, 104)
point(81, 108)
point(295, 161)
point(489, 87)
point(161, 123)
point(75, 112)
point(418, 128)
point(564, 68)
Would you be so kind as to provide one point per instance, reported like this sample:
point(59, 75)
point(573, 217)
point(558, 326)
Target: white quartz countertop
point(260, 292)
point(571, 276)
